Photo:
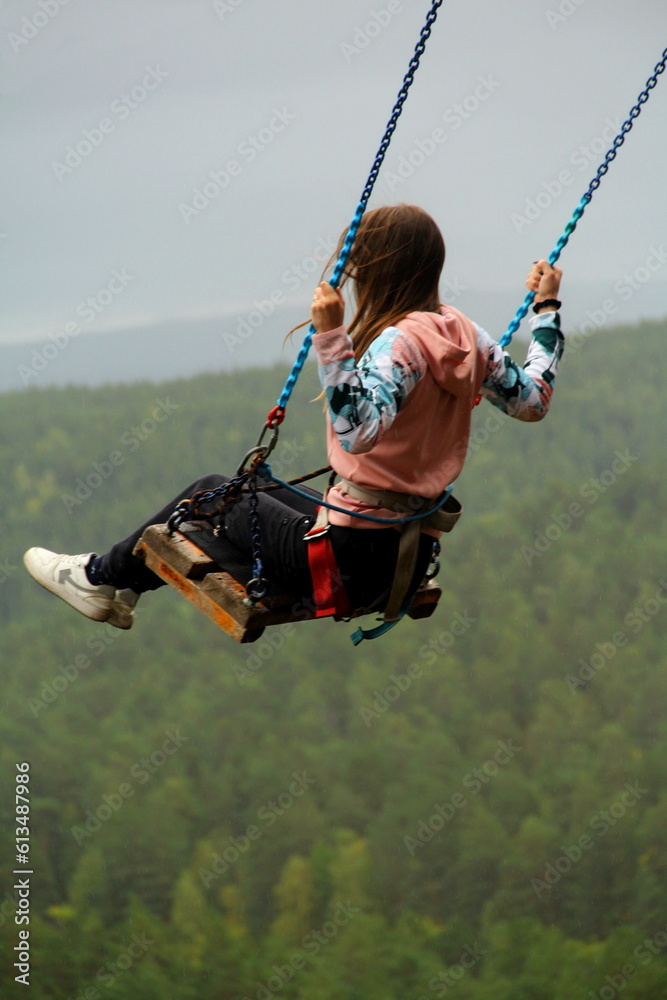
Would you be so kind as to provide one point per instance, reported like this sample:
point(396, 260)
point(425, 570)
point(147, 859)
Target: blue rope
point(264, 470)
point(593, 186)
point(370, 183)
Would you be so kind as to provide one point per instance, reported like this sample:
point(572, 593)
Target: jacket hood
point(442, 339)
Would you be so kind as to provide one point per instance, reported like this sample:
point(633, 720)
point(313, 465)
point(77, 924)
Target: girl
point(400, 383)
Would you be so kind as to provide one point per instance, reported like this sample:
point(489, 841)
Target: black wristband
point(546, 302)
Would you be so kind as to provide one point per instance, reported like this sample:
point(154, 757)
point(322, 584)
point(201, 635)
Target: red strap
point(328, 591)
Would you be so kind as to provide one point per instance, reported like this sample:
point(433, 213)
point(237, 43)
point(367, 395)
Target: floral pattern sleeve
point(363, 399)
point(524, 393)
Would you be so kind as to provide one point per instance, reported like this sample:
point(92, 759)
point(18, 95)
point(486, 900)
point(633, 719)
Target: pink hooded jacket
point(425, 447)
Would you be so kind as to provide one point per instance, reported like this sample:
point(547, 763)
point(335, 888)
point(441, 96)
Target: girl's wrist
point(544, 304)
point(334, 329)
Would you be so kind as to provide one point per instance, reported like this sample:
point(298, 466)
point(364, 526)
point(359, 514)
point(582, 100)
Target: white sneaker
point(122, 609)
point(65, 576)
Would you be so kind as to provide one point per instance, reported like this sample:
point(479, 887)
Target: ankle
point(95, 572)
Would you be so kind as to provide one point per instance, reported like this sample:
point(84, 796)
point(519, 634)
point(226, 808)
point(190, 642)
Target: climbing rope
point(264, 469)
point(592, 187)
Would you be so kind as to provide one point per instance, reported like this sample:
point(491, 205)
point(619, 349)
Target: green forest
point(473, 806)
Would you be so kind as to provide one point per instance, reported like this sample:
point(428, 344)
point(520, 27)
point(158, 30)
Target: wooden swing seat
point(182, 564)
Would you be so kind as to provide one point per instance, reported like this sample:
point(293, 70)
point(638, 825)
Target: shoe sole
point(120, 619)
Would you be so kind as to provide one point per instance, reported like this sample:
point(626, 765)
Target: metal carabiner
point(258, 451)
point(272, 443)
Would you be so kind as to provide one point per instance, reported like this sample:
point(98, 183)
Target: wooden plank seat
point(192, 560)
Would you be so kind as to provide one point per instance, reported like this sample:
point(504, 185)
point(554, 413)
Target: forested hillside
point(473, 806)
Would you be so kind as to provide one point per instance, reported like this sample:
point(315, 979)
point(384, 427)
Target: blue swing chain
point(593, 186)
point(278, 412)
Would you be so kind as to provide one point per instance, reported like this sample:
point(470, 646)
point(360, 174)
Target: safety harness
point(329, 593)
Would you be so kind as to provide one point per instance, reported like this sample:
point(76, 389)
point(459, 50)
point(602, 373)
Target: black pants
point(366, 557)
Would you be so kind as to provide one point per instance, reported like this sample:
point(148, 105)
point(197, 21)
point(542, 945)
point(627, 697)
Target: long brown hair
point(395, 264)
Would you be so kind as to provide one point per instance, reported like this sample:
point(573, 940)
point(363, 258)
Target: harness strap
point(329, 593)
point(360, 634)
point(443, 519)
point(408, 546)
point(406, 561)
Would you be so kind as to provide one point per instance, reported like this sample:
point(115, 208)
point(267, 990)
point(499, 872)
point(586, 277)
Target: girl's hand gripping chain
point(544, 280)
point(328, 308)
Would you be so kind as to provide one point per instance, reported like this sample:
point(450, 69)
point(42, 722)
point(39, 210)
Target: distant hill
point(181, 348)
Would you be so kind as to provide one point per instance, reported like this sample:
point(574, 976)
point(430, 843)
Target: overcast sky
point(116, 112)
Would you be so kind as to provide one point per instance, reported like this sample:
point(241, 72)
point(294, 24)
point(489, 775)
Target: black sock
point(95, 573)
